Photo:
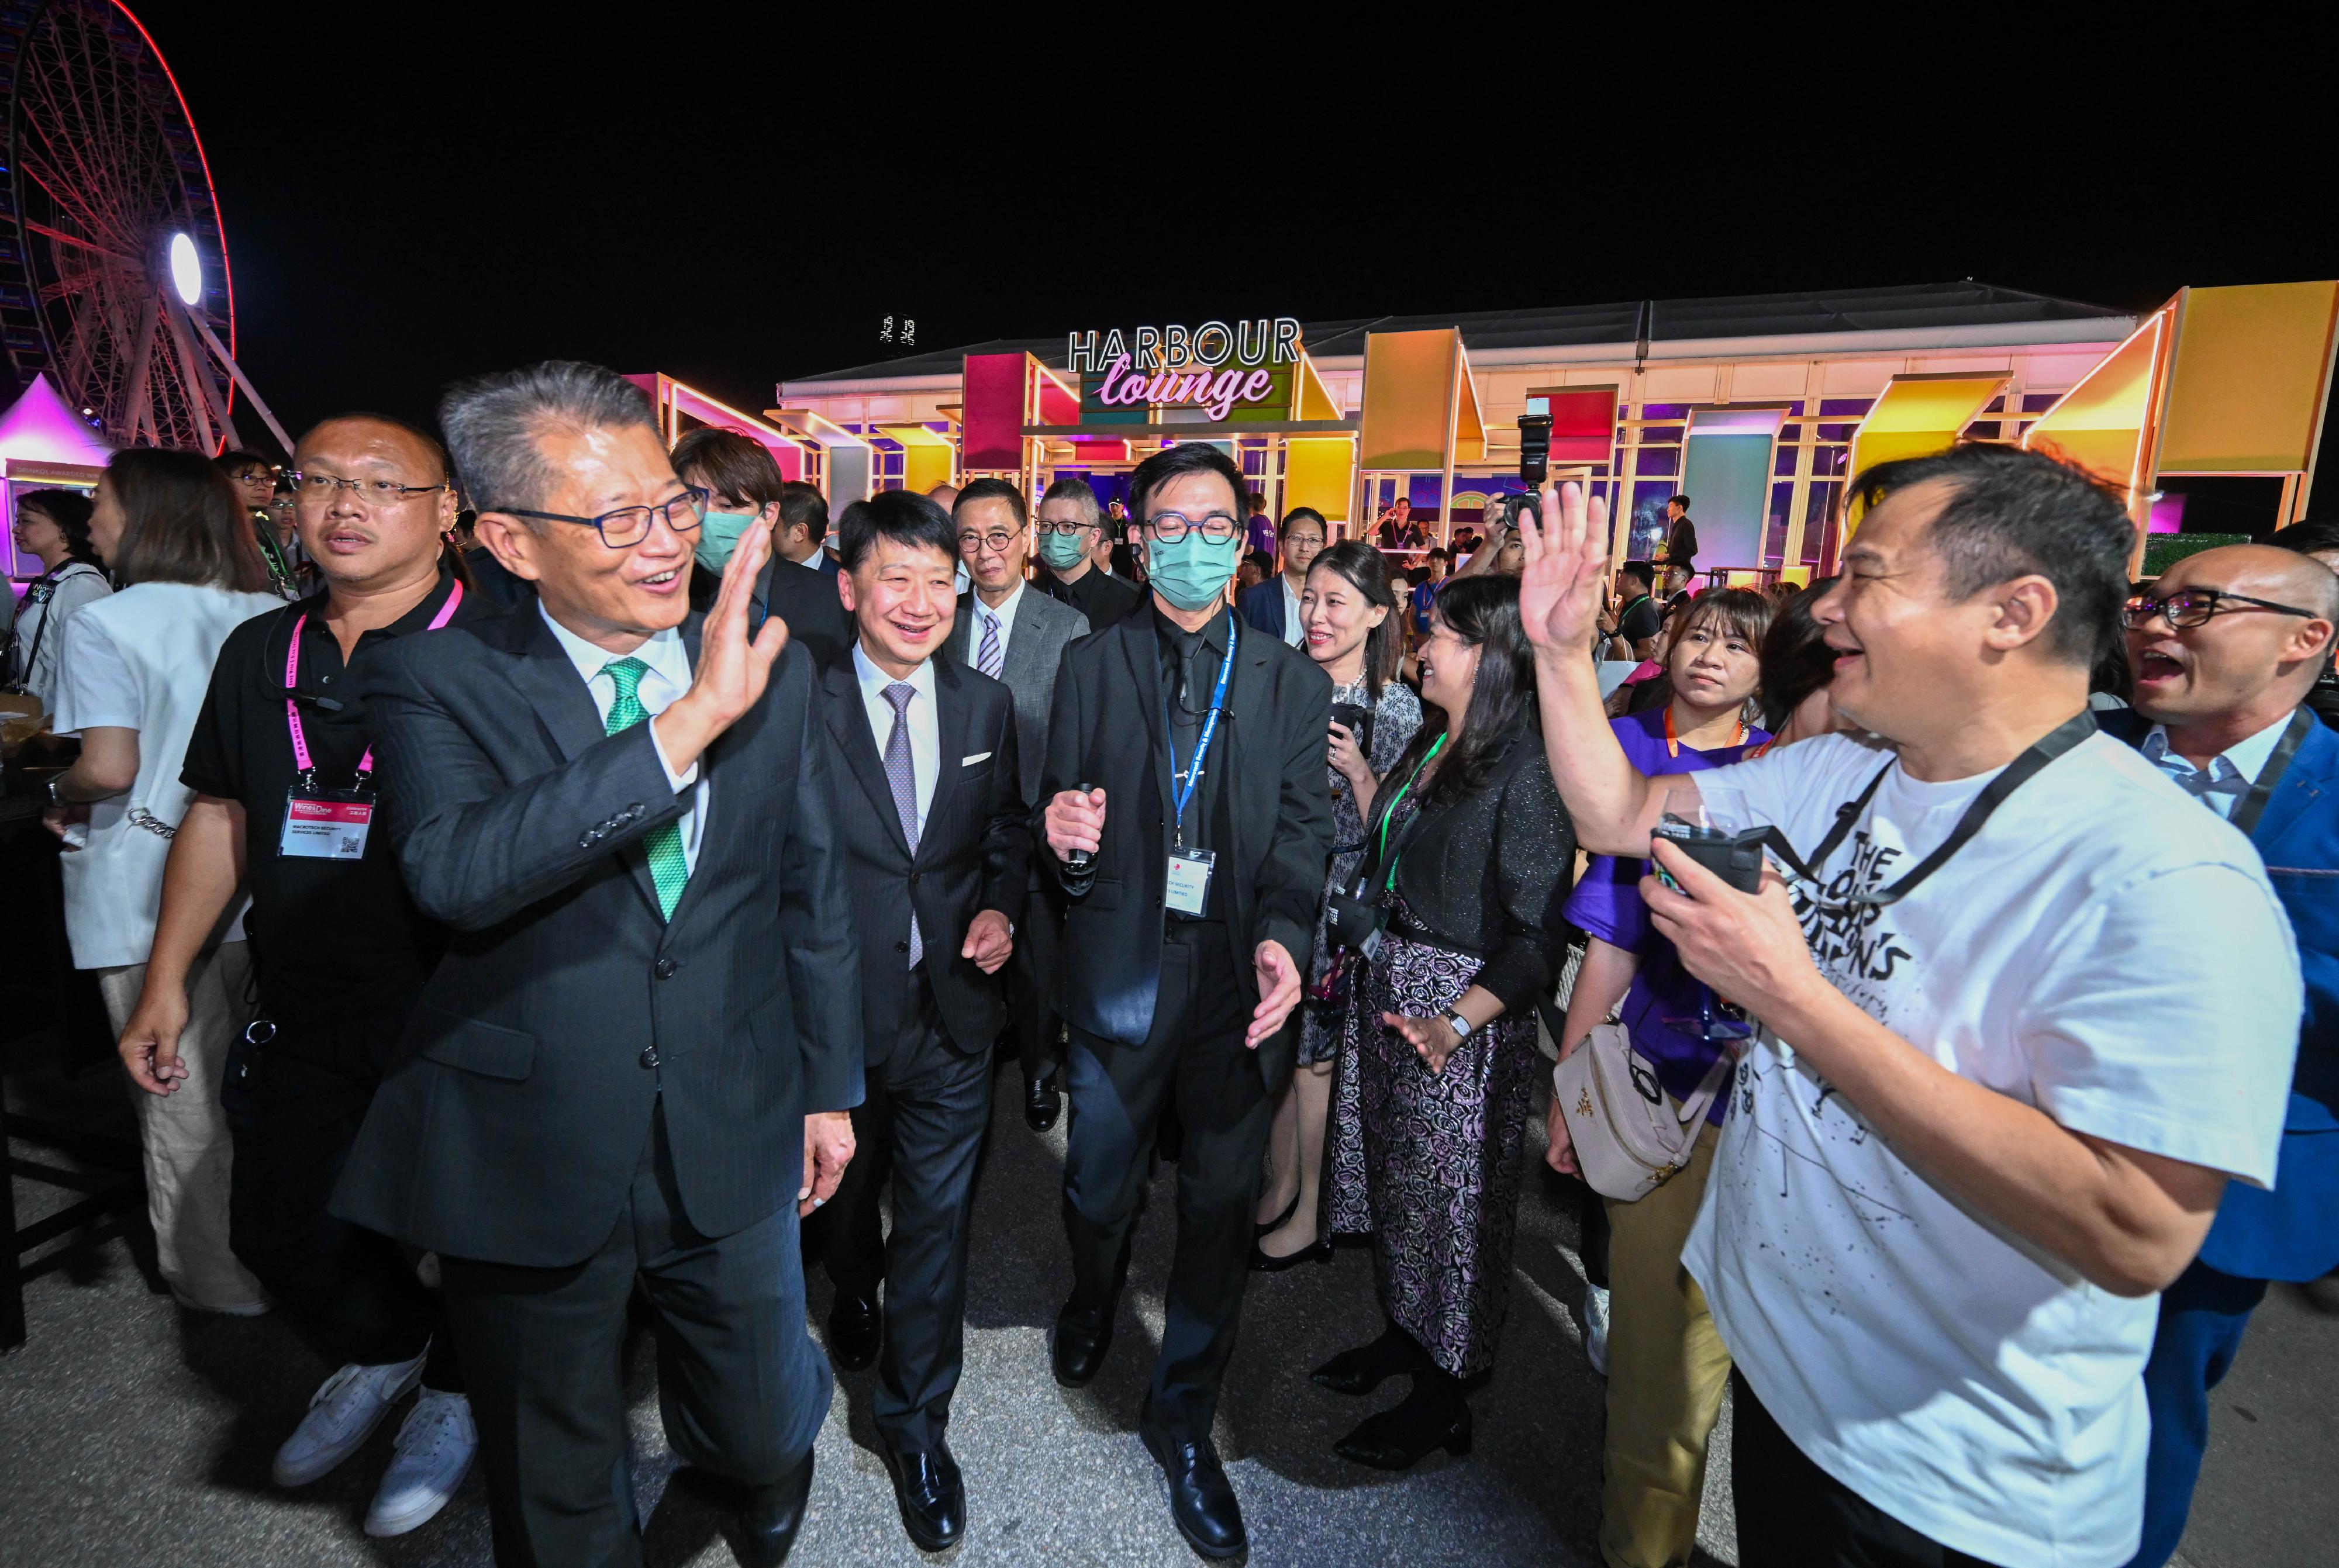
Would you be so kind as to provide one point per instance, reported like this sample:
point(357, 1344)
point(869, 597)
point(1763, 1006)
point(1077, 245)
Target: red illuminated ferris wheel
point(114, 269)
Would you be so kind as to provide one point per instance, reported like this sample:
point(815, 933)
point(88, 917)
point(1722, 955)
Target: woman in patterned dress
point(1353, 629)
point(1438, 1058)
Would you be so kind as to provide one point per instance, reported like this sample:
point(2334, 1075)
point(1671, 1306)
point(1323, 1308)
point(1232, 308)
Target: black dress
point(1430, 1162)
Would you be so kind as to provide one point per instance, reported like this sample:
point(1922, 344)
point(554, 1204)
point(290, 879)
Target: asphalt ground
point(135, 1433)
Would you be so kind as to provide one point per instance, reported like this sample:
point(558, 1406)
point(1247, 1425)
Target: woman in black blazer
point(1472, 853)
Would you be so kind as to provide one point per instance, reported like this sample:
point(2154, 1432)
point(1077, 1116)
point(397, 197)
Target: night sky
point(734, 194)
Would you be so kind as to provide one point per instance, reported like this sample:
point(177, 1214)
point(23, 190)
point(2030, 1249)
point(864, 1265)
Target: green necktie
point(668, 867)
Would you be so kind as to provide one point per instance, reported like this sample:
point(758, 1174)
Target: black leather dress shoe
point(1201, 1499)
point(774, 1514)
point(1083, 1336)
point(1043, 1103)
point(1389, 1442)
point(931, 1494)
point(854, 1331)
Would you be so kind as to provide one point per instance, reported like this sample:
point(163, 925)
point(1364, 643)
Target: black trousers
point(1194, 1057)
point(920, 1127)
point(742, 1388)
point(293, 1109)
point(1793, 1514)
point(1038, 1030)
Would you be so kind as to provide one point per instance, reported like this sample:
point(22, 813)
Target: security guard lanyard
point(322, 824)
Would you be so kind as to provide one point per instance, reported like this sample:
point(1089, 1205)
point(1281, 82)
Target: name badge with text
point(1188, 883)
point(326, 824)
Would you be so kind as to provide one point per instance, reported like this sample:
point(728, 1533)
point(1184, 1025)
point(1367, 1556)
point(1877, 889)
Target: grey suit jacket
point(511, 1118)
point(1043, 627)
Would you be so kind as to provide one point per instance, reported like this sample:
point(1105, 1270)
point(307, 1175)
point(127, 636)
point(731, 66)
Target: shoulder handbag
point(1631, 1137)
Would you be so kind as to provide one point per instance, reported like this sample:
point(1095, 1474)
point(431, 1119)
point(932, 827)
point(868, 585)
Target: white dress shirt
point(984, 614)
point(667, 677)
point(925, 739)
point(2221, 785)
point(1293, 632)
point(925, 731)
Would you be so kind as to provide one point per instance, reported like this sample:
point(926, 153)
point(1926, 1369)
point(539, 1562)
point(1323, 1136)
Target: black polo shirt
point(330, 939)
point(1106, 600)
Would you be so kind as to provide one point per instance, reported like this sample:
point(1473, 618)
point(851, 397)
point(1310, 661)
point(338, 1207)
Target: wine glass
point(1703, 822)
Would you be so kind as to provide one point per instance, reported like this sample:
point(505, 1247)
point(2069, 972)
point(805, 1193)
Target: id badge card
point(326, 824)
point(1188, 883)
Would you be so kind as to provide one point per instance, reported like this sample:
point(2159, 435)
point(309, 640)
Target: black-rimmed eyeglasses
point(1171, 527)
point(2189, 607)
point(629, 526)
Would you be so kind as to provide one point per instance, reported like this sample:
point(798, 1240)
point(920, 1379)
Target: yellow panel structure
point(1469, 422)
point(2100, 423)
point(928, 458)
point(1319, 471)
point(2247, 380)
point(1316, 400)
point(1409, 411)
point(1919, 416)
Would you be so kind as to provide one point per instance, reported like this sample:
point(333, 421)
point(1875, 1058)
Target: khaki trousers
point(185, 1134)
point(1666, 1372)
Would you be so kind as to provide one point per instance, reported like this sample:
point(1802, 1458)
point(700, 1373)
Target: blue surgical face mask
point(718, 536)
point(1192, 571)
point(1062, 552)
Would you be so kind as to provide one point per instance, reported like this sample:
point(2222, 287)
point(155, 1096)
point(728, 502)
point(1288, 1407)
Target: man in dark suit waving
point(937, 843)
point(1010, 631)
point(635, 1063)
point(1188, 821)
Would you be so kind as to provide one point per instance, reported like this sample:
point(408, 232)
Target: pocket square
point(970, 762)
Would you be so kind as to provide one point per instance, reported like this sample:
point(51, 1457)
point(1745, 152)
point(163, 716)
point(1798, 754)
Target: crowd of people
point(547, 869)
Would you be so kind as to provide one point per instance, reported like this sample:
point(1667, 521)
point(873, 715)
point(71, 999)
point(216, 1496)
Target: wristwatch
point(1462, 1026)
point(55, 798)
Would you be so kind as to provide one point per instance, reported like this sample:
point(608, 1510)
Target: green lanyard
point(279, 570)
point(1390, 810)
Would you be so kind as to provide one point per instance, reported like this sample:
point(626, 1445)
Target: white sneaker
point(434, 1449)
point(1595, 1328)
point(343, 1414)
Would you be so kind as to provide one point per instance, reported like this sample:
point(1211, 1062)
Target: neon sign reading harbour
point(1170, 366)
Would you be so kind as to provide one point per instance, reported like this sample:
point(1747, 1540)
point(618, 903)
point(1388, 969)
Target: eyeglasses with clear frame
point(629, 526)
point(2189, 607)
point(315, 487)
point(1171, 527)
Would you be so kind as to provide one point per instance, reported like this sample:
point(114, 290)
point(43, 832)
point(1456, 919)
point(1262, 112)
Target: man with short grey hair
point(1069, 529)
point(633, 1068)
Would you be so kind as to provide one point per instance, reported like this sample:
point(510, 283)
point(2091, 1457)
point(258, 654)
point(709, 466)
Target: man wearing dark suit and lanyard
point(937, 841)
point(632, 1068)
point(1188, 821)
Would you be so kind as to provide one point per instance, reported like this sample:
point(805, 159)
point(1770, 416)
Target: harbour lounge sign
point(1212, 367)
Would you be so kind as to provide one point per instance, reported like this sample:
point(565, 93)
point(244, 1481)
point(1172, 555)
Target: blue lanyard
point(1193, 774)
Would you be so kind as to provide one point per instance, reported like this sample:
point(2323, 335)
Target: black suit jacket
point(806, 601)
point(1277, 816)
point(512, 1119)
point(973, 853)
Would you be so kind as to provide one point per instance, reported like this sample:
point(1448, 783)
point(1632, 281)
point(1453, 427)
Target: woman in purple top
point(1665, 1363)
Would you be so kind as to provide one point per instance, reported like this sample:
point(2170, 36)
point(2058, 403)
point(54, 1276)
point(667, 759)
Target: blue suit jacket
point(1261, 606)
point(2292, 1232)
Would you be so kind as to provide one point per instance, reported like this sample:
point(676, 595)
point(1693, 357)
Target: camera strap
point(2254, 804)
point(2012, 777)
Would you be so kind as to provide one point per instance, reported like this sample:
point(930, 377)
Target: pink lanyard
point(293, 684)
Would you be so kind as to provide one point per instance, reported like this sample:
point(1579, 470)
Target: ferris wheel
point(113, 267)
